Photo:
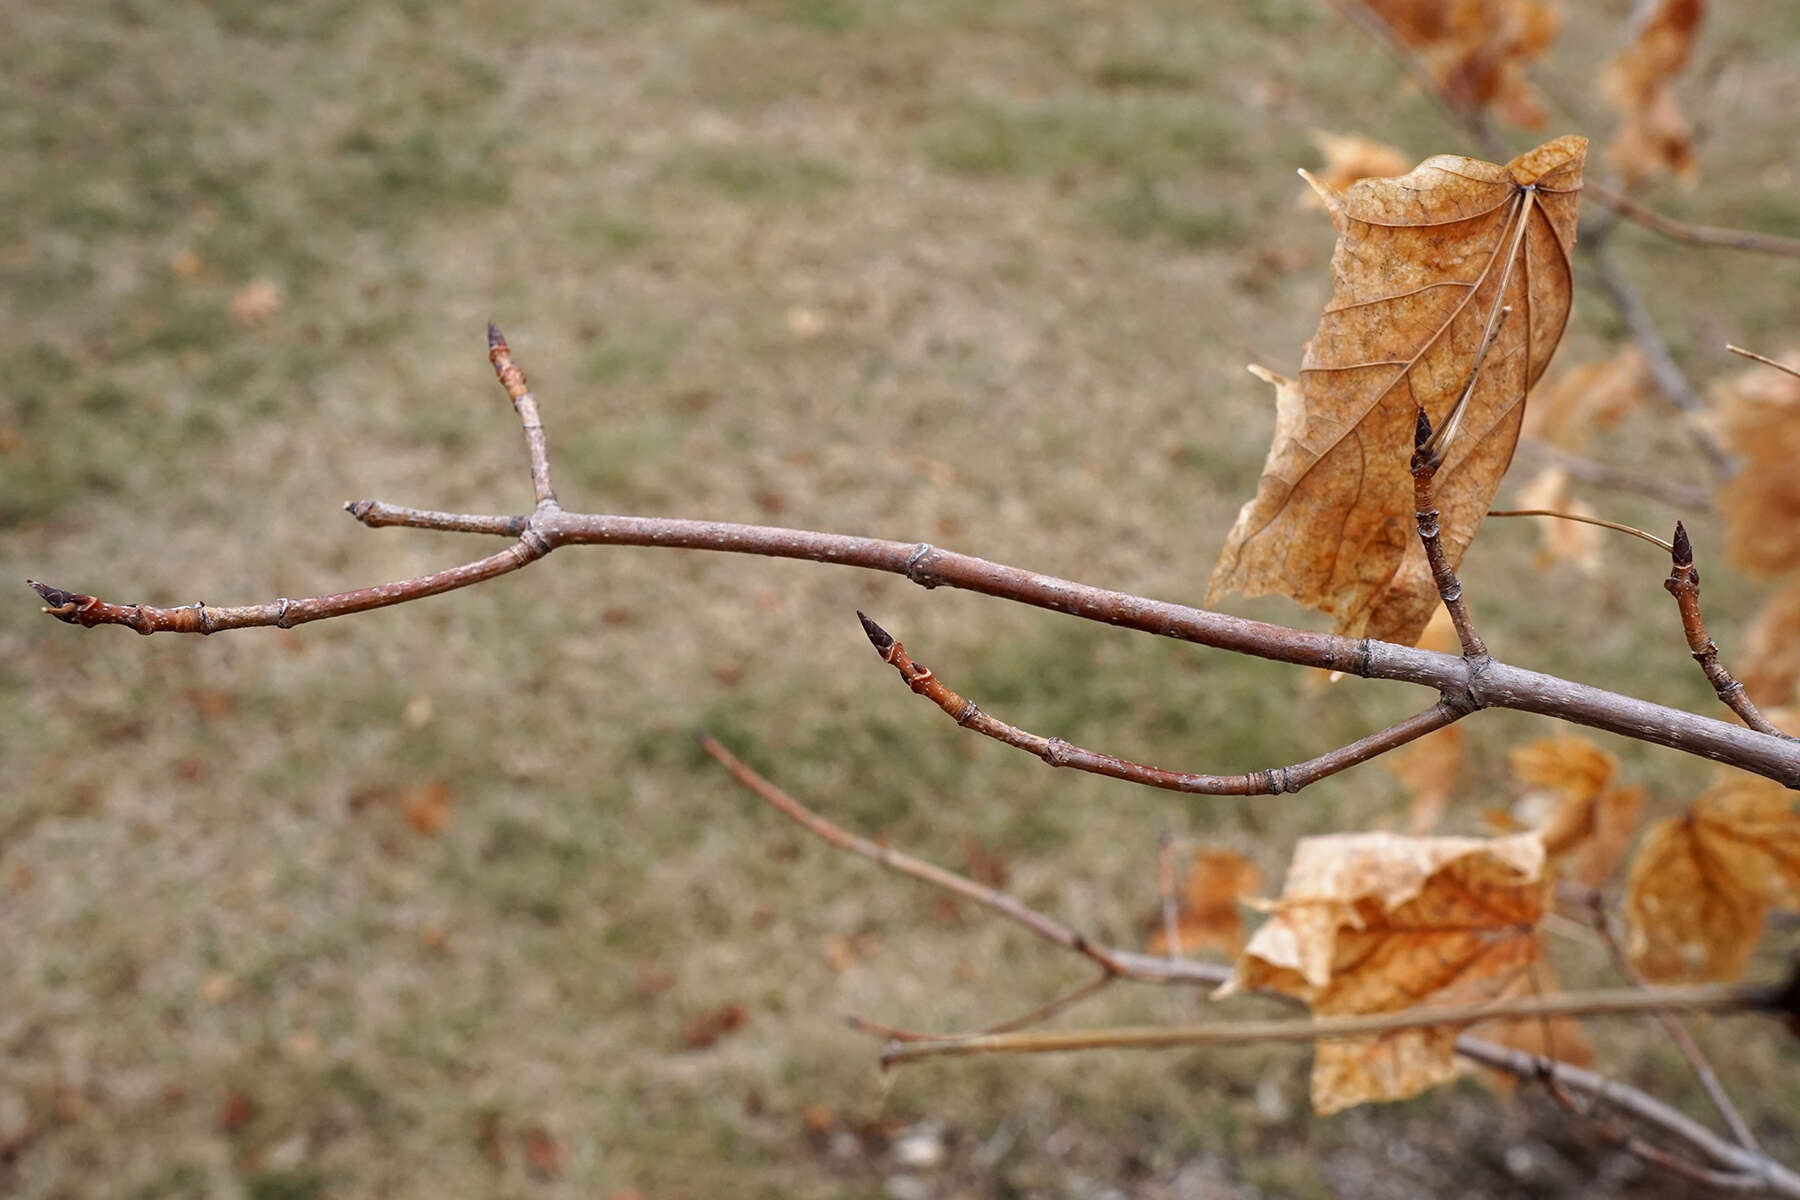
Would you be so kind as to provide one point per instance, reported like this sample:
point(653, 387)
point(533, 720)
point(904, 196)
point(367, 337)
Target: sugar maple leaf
point(1476, 49)
point(1375, 922)
point(1703, 882)
point(1429, 267)
point(1351, 156)
point(1208, 917)
point(1654, 137)
point(1573, 403)
point(1563, 541)
point(1589, 822)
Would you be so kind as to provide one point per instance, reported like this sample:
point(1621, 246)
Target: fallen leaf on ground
point(708, 1027)
point(255, 304)
point(543, 1157)
point(1376, 922)
point(1654, 137)
point(1425, 267)
point(427, 807)
point(1207, 912)
point(1703, 882)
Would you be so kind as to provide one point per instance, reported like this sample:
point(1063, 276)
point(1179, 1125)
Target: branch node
point(282, 616)
point(914, 562)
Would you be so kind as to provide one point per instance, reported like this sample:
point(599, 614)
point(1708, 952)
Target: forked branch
point(1270, 781)
point(1466, 684)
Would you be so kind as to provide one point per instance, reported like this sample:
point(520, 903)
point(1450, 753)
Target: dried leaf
point(1588, 823)
point(543, 1157)
point(1654, 138)
point(1350, 157)
point(1425, 268)
point(1568, 407)
point(1703, 882)
point(1476, 49)
point(1207, 915)
point(1771, 654)
point(708, 1027)
point(1375, 922)
point(255, 304)
point(1428, 769)
point(1758, 413)
point(1563, 541)
point(427, 807)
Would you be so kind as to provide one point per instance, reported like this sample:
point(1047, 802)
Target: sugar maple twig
point(1683, 583)
point(1147, 969)
point(1700, 235)
point(1270, 781)
point(1427, 451)
point(1763, 359)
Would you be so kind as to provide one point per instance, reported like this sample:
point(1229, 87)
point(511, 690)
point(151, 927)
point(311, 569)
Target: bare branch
point(1681, 231)
point(1605, 1002)
point(1681, 495)
point(513, 380)
point(1582, 519)
point(1145, 968)
point(1271, 781)
point(1766, 361)
point(377, 514)
point(1042, 1012)
point(1683, 583)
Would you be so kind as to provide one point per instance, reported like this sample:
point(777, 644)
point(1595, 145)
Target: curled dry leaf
point(1375, 922)
point(1772, 649)
point(1758, 413)
point(1208, 917)
point(1654, 137)
point(1430, 268)
point(1703, 882)
point(1572, 404)
point(1476, 49)
point(1587, 823)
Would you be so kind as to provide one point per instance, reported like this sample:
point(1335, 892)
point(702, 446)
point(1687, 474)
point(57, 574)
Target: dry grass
point(986, 275)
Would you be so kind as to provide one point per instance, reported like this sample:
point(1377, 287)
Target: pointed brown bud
point(495, 338)
point(881, 639)
point(1421, 431)
point(1683, 550)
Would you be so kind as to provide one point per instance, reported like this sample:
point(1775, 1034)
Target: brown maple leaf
point(1208, 917)
point(1476, 50)
point(1570, 542)
point(1587, 824)
point(1654, 137)
point(1351, 156)
point(1703, 882)
point(1772, 649)
point(1452, 288)
point(1572, 403)
point(1758, 413)
point(1375, 922)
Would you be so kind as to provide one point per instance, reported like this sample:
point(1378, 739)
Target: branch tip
point(1681, 549)
point(881, 639)
point(1421, 431)
point(496, 340)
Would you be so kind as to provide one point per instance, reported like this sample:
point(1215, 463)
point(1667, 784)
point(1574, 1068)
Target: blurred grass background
point(439, 900)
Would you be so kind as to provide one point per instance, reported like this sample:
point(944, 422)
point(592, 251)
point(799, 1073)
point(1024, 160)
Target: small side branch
point(1425, 462)
point(1683, 583)
point(1271, 781)
point(513, 380)
point(1699, 235)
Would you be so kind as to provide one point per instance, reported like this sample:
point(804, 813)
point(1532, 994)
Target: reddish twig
point(536, 446)
point(1699, 235)
point(1683, 583)
point(1271, 781)
point(1147, 969)
point(1494, 685)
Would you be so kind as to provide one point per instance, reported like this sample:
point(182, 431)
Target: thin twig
point(1427, 450)
point(1681, 231)
point(1767, 362)
point(1583, 519)
point(1148, 969)
point(1670, 380)
point(379, 515)
point(1677, 1031)
point(1683, 583)
point(1042, 1012)
point(513, 380)
point(1270, 781)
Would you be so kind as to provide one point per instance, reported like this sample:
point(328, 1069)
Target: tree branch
point(1683, 583)
point(1147, 969)
point(1271, 781)
point(1699, 235)
point(1427, 452)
